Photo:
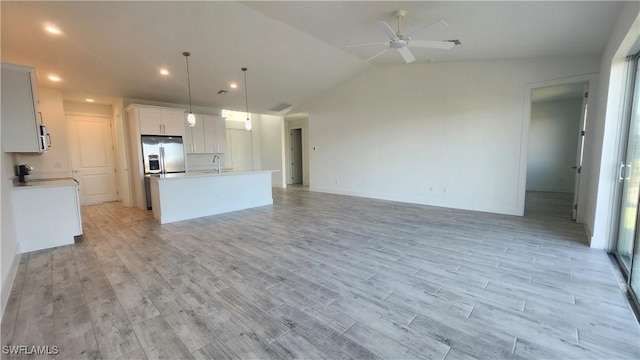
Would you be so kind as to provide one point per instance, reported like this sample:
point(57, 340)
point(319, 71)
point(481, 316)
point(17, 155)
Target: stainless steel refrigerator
point(161, 155)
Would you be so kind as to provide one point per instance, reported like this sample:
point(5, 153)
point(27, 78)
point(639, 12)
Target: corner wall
point(271, 131)
point(444, 134)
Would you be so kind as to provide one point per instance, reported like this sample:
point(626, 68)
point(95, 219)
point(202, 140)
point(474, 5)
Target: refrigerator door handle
point(163, 168)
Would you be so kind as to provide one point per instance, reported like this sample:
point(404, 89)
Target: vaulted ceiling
point(293, 50)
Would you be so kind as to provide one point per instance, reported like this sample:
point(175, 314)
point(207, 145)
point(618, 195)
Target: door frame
point(292, 122)
point(584, 111)
point(591, 80)
point(290, 163)
point(113, 141)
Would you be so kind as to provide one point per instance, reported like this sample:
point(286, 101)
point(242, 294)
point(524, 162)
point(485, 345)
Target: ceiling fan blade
point(358, 45)
point(431, 44)
point(377, 54)
point(384, 26)
point(429, 28)
point(406, 54)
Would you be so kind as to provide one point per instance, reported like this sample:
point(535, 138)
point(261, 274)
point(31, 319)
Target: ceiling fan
point(402, 42)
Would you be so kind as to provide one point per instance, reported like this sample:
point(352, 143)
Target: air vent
point(456, 41)
point(222, 92)
point(280, 107)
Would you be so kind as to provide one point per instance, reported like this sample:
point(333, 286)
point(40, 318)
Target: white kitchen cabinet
point(194, 136)
point(215, 135)
point(209, 135)
point(155, 120)
point(46, 214)
point(20, 123)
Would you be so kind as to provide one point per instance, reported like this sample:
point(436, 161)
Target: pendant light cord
point(186, 56)
point(246, 97)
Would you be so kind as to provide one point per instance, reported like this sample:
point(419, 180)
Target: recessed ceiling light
point(54, 78)
point(164, 72)
point(52, 29)
point(233, 85)
point(89, 100)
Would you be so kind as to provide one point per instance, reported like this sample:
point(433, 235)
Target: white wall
point(56, 162)
point(298, 121)
point(604, 134)
point(553, 144)
point(9, 248)
point(87, 108)
point(271, 130)
point(446, 134)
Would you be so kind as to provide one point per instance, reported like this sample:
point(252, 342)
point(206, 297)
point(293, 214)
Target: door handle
point(574, 167)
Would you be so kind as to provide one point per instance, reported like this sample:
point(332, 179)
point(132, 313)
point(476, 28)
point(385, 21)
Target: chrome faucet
point(216, 157)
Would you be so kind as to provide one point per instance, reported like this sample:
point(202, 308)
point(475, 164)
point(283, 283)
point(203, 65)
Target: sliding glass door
point(629, 174)
point(635, 254)
point(627, 248)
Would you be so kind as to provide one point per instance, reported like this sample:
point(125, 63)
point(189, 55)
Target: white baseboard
point(7, 281)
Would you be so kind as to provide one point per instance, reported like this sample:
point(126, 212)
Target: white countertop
point(38, 183)
point(195, 174)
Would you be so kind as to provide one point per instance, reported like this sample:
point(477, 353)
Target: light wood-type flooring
point(321, 276)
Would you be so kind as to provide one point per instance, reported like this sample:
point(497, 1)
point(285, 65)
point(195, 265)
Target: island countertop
point(208, 173)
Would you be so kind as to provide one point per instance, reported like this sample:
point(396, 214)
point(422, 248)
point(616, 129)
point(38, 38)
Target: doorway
point(92, 158)
point(555, 149)
point(296, 156)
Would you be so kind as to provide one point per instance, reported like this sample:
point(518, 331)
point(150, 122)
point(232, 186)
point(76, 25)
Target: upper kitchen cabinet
point(194, 139)
point(208, 136)
point(21, 130)
point(155, 120)
point(218, 142)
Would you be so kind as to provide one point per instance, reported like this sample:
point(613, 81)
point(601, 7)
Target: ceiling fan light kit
point(402, 43)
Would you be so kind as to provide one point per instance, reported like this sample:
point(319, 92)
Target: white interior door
point(240, 149)
point(92, 158)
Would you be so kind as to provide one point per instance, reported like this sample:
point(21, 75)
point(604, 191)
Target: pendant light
point(247, 123)
point(191, 119)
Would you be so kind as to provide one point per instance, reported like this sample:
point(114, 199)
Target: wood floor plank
point(193, 330)
point(113, 331)
point(214, 351)
point(158, 340)
point(73, 328)
point(322, 337)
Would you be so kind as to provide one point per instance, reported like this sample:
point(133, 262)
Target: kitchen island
point(177, 197)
